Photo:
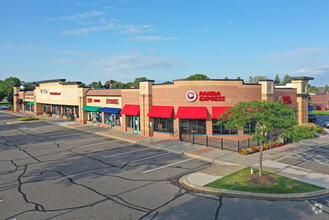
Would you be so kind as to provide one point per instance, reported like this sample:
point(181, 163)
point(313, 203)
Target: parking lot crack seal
point(37, 207)
point(219, 207)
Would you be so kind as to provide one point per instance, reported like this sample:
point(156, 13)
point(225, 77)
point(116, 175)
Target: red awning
point(218, 111)
point(161, 112)
point(130, 110)
point(192, 112)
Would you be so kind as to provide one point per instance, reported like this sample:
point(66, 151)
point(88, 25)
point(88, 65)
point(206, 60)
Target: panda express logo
point(191, 96)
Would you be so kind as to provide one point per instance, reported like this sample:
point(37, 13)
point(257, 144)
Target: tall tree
point(197, 76)
point(311, 88)
point(137, 81)
point(238, 77)
point(269, 117)
point(256, 79)
point(96, 85)
point(286, 79)
point(167, 82)
point(326, 88)
point(6, 88)
point(226, 78)
point(27, 85)
point(277, 80)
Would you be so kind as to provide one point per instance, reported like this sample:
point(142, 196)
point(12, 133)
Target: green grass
point(317, 112)
point(283, 185)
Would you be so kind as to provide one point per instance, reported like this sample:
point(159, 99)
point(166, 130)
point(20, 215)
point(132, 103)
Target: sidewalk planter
point(255, 149)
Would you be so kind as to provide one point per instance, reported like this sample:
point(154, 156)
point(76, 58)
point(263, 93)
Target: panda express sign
point(204, 96)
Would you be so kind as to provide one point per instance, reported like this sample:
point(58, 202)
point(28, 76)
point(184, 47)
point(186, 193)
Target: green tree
point(311, 88)
point(256, 79)
point(269, 116)
point(27, 85)
point(6, 88)
point(238, 77)
point(226, 78)
point(96, 85)
point(166, 83)
point(197, 76)
point(326, 88)
point(137, 81)
point(286, 79)
point(277, 80)
point(119, 85)
point(83, 85)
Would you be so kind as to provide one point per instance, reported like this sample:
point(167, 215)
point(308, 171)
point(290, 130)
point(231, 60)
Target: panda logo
point(191, 96)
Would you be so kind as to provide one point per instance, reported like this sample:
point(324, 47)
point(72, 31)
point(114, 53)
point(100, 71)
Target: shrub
point(255, 149)
point(29, 119)
point(303, 131)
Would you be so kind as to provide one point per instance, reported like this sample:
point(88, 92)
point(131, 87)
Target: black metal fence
point(221, 143)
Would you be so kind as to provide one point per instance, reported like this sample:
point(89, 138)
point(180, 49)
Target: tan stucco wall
point(69, 94)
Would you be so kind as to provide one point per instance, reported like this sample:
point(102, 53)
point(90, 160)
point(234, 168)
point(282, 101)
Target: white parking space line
point(113, 155)
point(301, 157)
point(312, 157)
point(145, 158)
point(158, 168)
point(323, 157)
point(89, 145)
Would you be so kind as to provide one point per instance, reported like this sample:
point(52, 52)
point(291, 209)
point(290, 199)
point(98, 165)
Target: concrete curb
point(225, 192)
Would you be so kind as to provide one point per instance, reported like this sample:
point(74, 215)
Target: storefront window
point(21, 107)
point(76, 111)
point(129, 121)
point(164, 125)
point(112, 119)
point(27, 107)
point(250, 128)
point(221, 130)
point(89, 116)
point(94, 117)
point(68, 110)
point(46, 108)
point(192, 126)
point(56, 109)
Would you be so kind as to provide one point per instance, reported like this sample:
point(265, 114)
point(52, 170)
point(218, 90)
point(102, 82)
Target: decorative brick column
point(300, 83)
point(145, 91)
point(15, 99)
point(267, 90)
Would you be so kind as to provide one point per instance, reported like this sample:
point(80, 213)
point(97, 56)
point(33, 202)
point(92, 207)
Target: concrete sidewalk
point(225, 162)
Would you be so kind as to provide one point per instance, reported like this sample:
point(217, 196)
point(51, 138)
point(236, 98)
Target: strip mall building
point(186, 106)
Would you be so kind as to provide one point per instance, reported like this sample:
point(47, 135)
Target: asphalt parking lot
point(49, 171)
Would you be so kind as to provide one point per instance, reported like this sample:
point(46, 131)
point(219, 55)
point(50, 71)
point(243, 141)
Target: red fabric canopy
point(192, 112)
point(131, 110)
point(218, 111)
point(161, 112)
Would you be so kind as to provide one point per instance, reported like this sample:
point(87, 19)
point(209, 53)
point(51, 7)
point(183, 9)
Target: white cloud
point(77, 53)
point(84, 15)
point(230, 23)
point(314, 71)
point(152, 38)
point(122, 28)
point(127, 63)
point(71, 62)
point(295, 53)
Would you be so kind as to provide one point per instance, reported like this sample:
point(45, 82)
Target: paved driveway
point(53, 172)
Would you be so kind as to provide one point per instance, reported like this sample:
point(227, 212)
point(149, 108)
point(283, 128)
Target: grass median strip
point(317, 112)
point(283, 185)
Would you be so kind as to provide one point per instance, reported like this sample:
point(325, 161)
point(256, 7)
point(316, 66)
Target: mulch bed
point(260, 180)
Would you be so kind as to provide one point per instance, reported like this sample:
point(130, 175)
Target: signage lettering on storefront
point(285, 99)
point(43, 91)
point(211, 96)
point(55, 93)
point(112, 101)
point(90, 100)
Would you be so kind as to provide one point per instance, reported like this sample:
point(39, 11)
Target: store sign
point(112, 101)
point(285, 99)
point(43, 91)
point(211, 96)
point(90, 100)
point(191, 96)
point(55, 93)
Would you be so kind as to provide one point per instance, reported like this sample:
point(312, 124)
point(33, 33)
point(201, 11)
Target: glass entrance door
point(113, 120)
point(136, 124)
point(94, 118)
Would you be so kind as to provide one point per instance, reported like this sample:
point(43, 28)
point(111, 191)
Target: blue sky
point(163, 40)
